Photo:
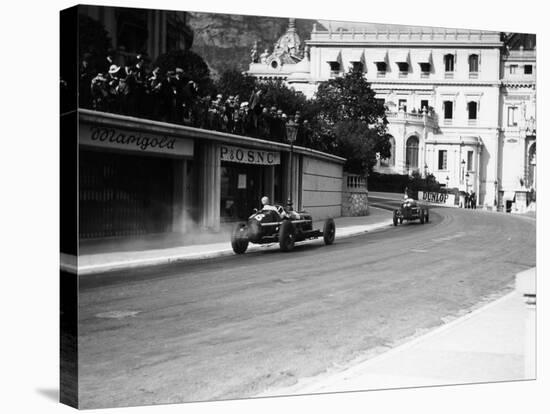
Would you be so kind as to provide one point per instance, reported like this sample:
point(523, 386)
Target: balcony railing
point(356, 181)
point(449, 75)
point(381, 74)
point(410, 116)
point(474, 75)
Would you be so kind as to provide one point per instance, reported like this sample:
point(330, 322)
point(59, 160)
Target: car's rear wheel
point(286, 236)
point(329, 231)
point(239, 238)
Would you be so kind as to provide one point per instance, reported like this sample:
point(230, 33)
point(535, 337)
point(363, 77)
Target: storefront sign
point(115, 138)
point(249, 156)
point(437, 198)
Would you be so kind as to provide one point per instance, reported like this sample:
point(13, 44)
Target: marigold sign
point(115, 138)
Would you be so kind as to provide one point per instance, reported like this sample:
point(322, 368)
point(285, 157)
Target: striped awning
point(422, 56)
point(332, 55)
point(377, 55)
point(355, 55)
point(399, 56)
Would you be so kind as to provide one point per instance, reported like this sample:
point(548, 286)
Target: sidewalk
point(104, 256)
point(486, 345)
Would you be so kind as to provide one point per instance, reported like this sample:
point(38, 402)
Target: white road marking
point(117, 314)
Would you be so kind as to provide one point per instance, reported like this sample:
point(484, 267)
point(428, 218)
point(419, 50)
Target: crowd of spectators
point(174, 97)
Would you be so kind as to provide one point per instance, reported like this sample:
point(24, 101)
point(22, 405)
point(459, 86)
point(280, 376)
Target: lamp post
point(447, 179)
point(425, 170)
point(462, 172)
point(291, 131)
point(467, 178)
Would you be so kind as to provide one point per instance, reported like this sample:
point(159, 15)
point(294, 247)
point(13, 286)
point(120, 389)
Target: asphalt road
point(235, 327)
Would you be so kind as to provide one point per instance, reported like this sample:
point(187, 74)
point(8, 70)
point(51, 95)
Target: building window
point(512, 116)
point(470, 161)
point(473, 63)
point(449, 63)
point(513, 69)
point(403, 69)
point(412, 153)
point(357, 66)
point(381, 68)
point(528, 69)
point(425, 70)
point(442, 160)
point(402, 104)
point(472, 110)
point(334, 68)
point(424, 104)
point(448, 110)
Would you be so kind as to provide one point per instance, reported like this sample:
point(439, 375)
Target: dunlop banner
point(437, 198)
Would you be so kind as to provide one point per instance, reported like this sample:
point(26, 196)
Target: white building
point(461, 103)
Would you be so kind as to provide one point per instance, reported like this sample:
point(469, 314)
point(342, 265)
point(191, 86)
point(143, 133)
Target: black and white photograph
point(260, 206)
point(273, 206)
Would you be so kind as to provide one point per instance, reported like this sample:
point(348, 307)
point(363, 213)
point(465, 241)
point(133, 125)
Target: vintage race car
point(281, 226)
point(410, 210)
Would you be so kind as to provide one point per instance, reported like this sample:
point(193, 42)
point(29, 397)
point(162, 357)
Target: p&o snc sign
point(249, 156)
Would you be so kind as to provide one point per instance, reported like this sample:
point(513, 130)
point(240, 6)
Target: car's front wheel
point(422, 216)
point(239, 238)
point(395, 218)
point(329, 231)
point(286, 236)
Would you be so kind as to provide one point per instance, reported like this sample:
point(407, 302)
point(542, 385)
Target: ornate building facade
point(460, 103)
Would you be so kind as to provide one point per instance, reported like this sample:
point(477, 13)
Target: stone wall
point(354, 196)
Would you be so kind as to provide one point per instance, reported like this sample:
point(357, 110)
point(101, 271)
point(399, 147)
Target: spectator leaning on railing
point(174, 97)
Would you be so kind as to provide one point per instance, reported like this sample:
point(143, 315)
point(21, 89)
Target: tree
point(193, 65)
point(348, 121)
point(234, 82)
point(93, 40)
point(276, 93)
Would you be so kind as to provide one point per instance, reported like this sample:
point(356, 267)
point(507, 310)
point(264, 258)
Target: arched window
point(390, 162)
point(449, 63)
point(473, 63)
point(472, 110)
point(412, 153)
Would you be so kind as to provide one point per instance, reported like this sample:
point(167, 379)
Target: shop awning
point(422, 56)
point(399, 56)
point(509, 195)
point(355, 55)
point(332, 55)
point(377, 55)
